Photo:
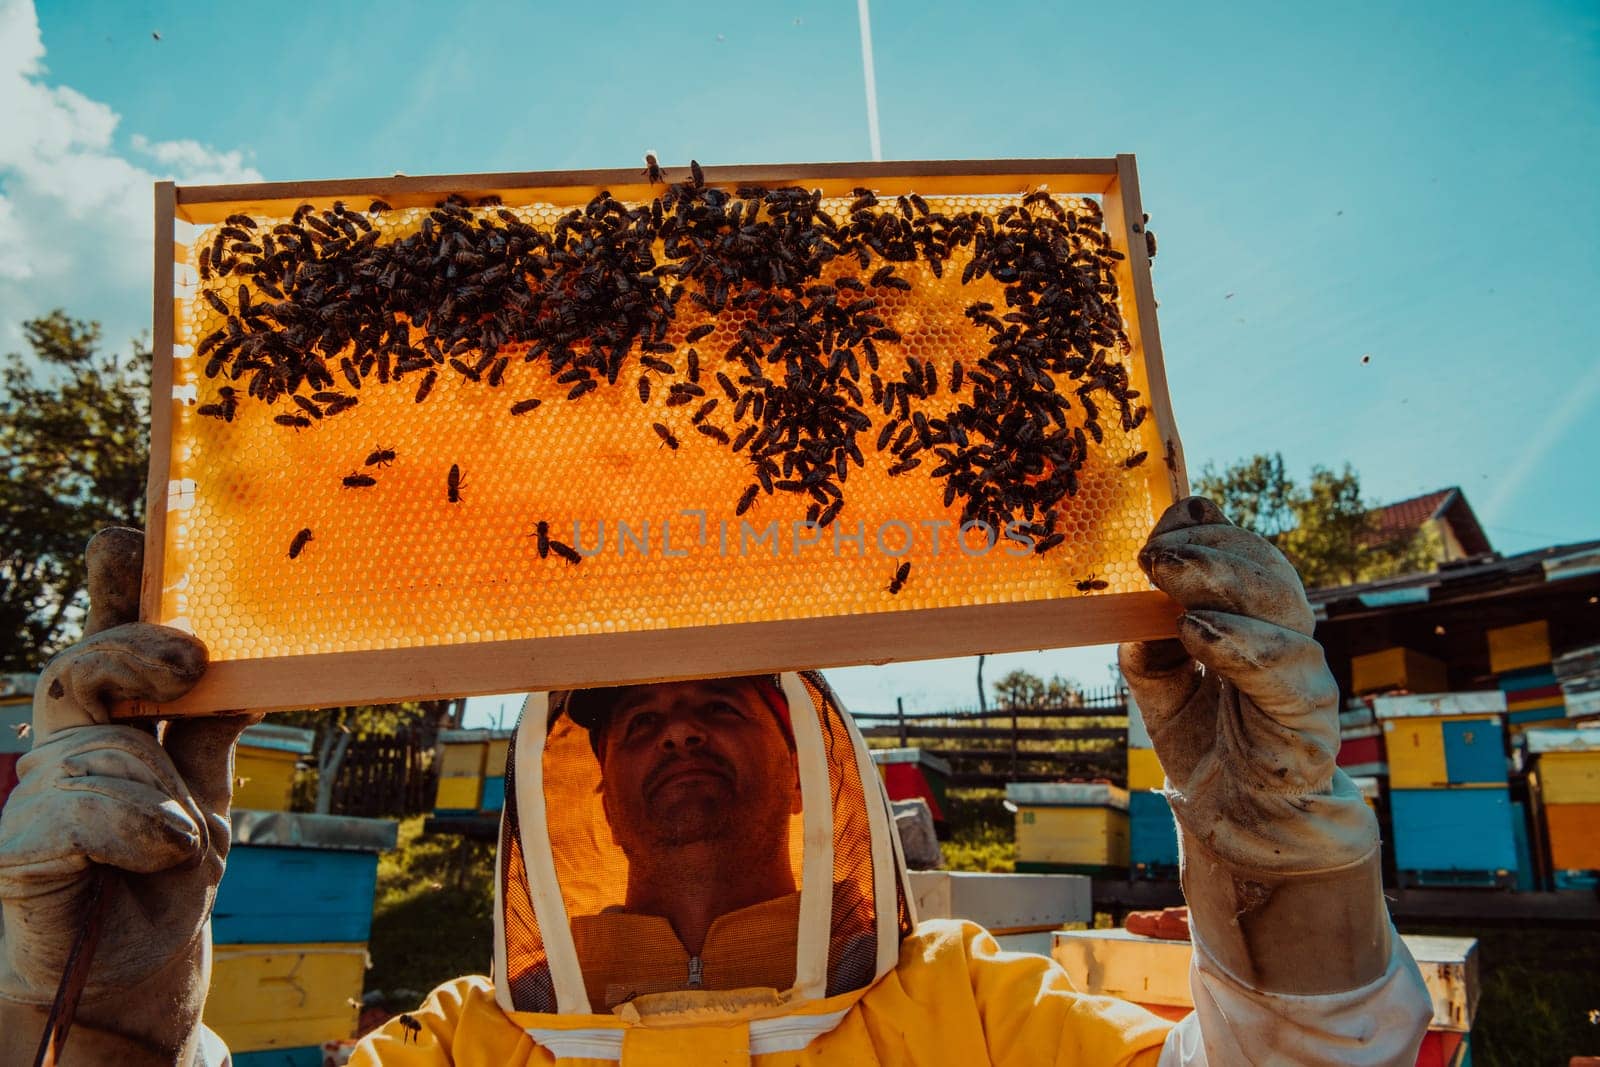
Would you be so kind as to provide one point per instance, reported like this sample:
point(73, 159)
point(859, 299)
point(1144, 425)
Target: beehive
point(1070, 827)
point(909, 773)
point(392, 548)
point(264, 764)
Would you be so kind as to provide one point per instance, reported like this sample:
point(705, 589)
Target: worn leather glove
point(1281, 865)
point(153, 814)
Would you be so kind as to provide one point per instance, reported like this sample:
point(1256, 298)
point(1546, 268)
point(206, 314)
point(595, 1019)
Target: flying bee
point(541, 531)
point(565, 551)
point(426, 385)
point(411, 1029)
point(1134, 460)
point(1092, 584)
point(454, 483)
point(299, 422)
point(380, 457)
point(299, 543)
point(898, 582)
point(357, 480)
point(666, 435)
point(652, 169)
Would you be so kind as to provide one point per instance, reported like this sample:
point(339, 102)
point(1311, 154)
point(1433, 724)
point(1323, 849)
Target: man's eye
point(640, 724)
point(722, 707)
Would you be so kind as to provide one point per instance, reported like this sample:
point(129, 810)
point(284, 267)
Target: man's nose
point(683, 731)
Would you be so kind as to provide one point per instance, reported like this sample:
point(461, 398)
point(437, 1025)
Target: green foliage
point(433, 919)
point(982, 833)
point(1325, 528)
point(74, 434)
point(1028, 692)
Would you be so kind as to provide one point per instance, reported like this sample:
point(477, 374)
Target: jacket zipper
point(696, 971)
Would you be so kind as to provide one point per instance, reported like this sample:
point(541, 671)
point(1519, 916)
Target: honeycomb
point(473, 514)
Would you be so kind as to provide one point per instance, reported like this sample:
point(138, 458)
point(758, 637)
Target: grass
point(1540, 995)
point(433, 919)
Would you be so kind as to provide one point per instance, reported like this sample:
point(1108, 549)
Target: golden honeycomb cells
point(398, 564)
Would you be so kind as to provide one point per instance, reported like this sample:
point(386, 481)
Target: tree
point(1326, 529)
point(1025, 691)
point(74, 437)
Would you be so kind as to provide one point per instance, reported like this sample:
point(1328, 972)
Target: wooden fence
point(386, 776)
point(989, 749)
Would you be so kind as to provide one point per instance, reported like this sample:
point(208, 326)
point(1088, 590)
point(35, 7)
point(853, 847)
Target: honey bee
point(380, 457)
point(703, 410)
point(697, 175)
point(522, 407)
point(666, 435)
point(241, 220)
point(698, 332)
point(565, 551)
point(411, 1029)
point(356, 480)
point(652, 170)
point(215, 301)
point(299, 543)
point(1134, 460)
point(747, 498)
point(588, 385)
point(1092, 584)
point(426, 385)
point(644, 389)
point(1048, 543)
point(898, 582)
point(716, 433)
point(378, 207)
point(299, 422)
point(454, 484)
point(541, 531)
point(1172, 455)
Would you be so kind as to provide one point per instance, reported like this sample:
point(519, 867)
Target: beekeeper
point(705, 872)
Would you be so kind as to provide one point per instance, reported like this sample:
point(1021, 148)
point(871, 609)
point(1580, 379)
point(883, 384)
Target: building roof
point(1406, 517)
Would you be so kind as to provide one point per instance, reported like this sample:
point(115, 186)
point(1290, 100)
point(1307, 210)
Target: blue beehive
point(1153, 835)
point(1454, 836)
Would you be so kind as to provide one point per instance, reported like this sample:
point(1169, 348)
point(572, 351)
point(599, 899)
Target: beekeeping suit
point(1294, 957)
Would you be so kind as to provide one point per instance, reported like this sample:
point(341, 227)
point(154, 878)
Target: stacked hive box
point(1449, 800)
point(472, 768)
point(909, 773)
point(1397, 668)
point(1564, 782)
point(1361, 740)
point(1022, 911)
point(1520, 658)
point(290, 930)
point(1155, 973)
point(1070, 827)
point(264, 765)
point(1152, 835)
point(1578, 673)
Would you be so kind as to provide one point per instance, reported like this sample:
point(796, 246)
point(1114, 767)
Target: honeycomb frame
point(1066, 608)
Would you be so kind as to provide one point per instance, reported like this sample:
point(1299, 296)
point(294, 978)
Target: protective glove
point(1280, 857)
point(153, 813)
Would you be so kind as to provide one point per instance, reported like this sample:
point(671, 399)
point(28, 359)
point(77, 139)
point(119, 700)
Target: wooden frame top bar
point(206, 204)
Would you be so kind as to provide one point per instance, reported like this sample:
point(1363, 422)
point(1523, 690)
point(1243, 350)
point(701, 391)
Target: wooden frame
point(558, 662)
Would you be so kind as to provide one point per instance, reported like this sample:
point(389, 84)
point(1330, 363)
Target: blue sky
point(1410, 182)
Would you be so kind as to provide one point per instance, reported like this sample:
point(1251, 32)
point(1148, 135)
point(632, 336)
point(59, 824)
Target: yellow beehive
point(423, 581)
point(1514, 647)
point(1570, 777)
point(1144, 769)
point(1396, 668)
point(1070, 826)
point(264, 766)
point(495, 762)
point(284, 996)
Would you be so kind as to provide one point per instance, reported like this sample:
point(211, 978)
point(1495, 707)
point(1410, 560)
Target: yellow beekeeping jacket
point(846, 974)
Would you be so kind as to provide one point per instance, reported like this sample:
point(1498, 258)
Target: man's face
point(696, 761)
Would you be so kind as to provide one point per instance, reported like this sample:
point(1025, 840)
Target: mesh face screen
point(625, 952)
point(358, 461)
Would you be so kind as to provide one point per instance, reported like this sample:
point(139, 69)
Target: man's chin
point(692, 820)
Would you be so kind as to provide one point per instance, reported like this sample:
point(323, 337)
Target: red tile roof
point(1407, 516)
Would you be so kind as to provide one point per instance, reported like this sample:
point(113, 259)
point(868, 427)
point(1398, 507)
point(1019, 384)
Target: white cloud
point(75, 211)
